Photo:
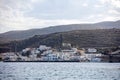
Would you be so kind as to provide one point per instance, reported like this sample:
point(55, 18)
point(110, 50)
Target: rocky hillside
point(78, 38)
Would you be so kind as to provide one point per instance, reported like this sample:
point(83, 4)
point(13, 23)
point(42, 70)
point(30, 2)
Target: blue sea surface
point(59, 71)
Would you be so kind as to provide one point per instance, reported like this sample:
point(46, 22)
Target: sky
point(29, 14)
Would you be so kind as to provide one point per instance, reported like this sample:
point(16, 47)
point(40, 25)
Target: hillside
point(24, 34)
point(78, 38)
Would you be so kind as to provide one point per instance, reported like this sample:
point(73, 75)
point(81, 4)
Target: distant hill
point(24, 34)
point(78, 38)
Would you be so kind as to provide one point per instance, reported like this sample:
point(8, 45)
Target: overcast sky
point(27, 14)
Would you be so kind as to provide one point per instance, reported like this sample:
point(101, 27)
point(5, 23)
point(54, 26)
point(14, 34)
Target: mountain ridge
point(24, 34)
point(77, 38)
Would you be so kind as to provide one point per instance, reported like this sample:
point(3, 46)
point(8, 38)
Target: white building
point(94, 57)
point(66, 44)
point(26, 49)
point(67, 54)
point(47, 52)
point(35, 51)
point(75, 58)
point(92, 50)
point(10, 55)
point(44, 47)
point(50, 57)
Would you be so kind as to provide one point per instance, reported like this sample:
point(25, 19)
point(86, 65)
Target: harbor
point(65, 54)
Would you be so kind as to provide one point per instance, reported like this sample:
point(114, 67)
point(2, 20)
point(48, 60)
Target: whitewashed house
point(67, 54)
point(10, 55)
point(26, 49)
point(91, 50)
point(35, 51)
point(94, 57)
point(50, 57)
point(44, 47)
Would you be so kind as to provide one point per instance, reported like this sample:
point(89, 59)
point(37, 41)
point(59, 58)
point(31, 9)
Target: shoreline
point(41, 61)
point(58, 62)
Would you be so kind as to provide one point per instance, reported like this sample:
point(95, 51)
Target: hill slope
point(18, 35)
point(78, 38)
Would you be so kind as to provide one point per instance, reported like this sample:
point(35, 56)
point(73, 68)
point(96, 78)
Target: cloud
point(102, 17)
point(27, 14)
point(97, 6)
point(113, 3)
point(112, 11)
point(85, 5)
point(13, 16)
point(29, 23)
point(36, 1)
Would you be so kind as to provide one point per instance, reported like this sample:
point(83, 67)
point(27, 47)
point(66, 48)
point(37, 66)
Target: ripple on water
point(59, 71)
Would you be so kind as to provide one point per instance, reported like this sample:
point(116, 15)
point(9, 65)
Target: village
point(47, 54)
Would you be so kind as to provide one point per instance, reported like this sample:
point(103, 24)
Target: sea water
point(59, 71)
